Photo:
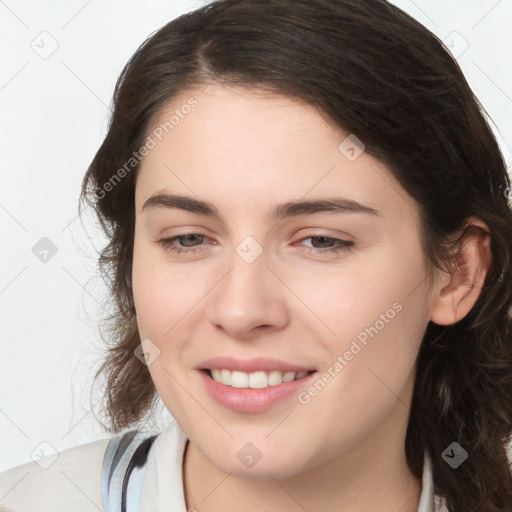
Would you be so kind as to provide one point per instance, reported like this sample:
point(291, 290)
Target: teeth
point(254, 380)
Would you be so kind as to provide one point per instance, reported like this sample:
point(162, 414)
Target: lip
point(251, 365)
point(250, 400)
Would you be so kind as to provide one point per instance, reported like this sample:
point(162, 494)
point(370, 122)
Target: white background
point(54, 115)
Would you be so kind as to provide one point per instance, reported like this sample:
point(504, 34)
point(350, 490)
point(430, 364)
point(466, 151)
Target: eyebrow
point(280, 211)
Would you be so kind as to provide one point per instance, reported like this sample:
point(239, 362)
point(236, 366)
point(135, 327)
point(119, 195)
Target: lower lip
point(251, 400)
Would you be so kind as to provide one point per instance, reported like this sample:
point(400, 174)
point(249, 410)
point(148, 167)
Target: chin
point(267, 467)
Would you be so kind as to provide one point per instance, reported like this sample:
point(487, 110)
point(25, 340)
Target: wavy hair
point(373, 71)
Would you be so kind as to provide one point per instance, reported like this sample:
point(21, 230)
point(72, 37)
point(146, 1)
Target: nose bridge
point(248, 277)
point(248, 295)
point(249, 264)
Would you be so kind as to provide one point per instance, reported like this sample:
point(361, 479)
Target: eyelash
point(344, 245)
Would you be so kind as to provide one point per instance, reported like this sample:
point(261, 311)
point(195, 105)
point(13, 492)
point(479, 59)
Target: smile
point(254, 392)
point(255, 380)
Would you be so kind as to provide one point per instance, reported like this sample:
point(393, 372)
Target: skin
point(245, 152)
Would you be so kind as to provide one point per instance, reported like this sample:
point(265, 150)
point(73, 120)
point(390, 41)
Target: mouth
point(254, 380)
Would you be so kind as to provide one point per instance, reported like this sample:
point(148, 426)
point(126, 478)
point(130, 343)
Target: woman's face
point(272, 279)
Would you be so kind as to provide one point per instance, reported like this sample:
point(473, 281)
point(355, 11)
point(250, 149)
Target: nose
point(248, 299)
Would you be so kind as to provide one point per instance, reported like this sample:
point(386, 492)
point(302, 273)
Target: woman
point(309, 255)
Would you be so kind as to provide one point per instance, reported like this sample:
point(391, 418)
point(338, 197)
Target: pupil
point(322, 238)
point(190, 238)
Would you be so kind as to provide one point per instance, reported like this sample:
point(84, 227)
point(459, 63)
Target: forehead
point(258, 147)
point(256, 122)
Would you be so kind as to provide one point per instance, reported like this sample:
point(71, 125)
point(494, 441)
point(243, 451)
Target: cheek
point(163, 294)
point(378, 299)
point(377, 323)
point(164, 308)
point(370, 373)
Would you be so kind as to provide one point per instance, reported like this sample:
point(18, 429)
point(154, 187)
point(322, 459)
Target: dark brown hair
point(373, 71)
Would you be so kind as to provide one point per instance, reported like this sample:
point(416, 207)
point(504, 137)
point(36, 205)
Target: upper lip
point(251, 365)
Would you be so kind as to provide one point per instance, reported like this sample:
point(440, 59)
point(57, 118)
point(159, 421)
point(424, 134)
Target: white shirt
point(73, 481)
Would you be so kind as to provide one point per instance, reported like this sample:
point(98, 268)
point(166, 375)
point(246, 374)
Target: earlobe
point(458, 291)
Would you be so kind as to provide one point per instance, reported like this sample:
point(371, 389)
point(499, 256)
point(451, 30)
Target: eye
point(168, 243)
point(342, 245)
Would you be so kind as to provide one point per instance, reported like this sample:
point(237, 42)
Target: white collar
point(426, 503)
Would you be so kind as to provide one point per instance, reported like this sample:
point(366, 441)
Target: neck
point(373, 477)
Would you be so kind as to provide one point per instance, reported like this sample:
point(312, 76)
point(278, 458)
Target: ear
point(458, 290)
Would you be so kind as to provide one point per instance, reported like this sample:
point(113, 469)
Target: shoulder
point(69, 479)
